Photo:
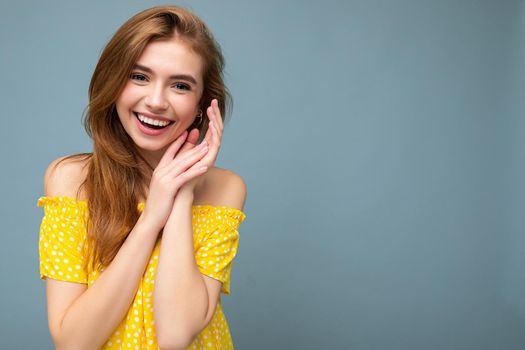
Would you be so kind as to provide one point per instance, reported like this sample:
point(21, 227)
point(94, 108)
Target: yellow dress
point(215, 236)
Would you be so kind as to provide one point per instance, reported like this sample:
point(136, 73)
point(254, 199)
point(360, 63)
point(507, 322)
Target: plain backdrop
point(382, 143)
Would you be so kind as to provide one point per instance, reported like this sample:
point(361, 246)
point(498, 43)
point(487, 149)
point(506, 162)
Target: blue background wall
point(382, 143)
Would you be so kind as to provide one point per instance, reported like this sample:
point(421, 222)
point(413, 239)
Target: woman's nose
point(155, 99)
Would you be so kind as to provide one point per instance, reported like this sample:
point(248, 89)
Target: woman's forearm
point(93, 317)
point(180, 294)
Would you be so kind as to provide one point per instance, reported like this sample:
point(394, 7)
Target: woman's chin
point(151, 151)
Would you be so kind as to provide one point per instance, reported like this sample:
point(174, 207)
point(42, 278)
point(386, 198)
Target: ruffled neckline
point(196, 207)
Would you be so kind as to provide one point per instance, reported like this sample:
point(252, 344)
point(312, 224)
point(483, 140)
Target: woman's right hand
point(174, 170)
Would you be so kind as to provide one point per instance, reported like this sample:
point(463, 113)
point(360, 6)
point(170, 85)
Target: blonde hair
point(117, 175)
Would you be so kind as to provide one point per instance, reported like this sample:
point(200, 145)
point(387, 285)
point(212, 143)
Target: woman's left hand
point(213, 138)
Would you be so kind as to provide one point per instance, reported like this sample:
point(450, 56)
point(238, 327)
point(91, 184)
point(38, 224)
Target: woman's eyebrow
point(186, 77)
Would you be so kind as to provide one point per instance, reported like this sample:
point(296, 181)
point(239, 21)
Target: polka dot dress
point(215, 236)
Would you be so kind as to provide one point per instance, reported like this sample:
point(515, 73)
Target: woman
point(145, 222)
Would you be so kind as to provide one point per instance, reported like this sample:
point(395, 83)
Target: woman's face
point(160, 99)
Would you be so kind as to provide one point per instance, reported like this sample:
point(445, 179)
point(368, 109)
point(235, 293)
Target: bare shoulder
point(222, 187)
point(65, 175)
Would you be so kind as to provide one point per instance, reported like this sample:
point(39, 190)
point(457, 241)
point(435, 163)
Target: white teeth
point(151, 121)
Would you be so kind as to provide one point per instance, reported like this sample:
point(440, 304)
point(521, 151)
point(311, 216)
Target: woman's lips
point(151, 130)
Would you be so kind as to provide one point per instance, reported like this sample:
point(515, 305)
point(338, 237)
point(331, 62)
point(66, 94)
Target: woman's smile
point(152, 127)
point(153, 121)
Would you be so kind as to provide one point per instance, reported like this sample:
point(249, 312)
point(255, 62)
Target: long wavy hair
point(118, 176)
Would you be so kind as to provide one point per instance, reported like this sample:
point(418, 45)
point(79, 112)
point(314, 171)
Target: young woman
point(138, 237)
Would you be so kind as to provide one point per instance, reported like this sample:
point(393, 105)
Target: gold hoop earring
point(199, 116)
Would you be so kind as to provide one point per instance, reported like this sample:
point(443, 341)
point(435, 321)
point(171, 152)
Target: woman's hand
point(214, 134)
point(173, 171)
point(212, 138)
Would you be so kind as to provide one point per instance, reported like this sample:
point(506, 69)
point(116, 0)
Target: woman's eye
point(138, 76)
point(181, 86)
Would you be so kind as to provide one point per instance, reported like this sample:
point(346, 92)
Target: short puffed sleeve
point(62, 237)
point(218, 239)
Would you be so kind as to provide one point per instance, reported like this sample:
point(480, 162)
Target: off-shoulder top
point(61, 246)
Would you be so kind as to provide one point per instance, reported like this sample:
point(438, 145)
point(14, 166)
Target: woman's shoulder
point(65, 175)
point(222, 187)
